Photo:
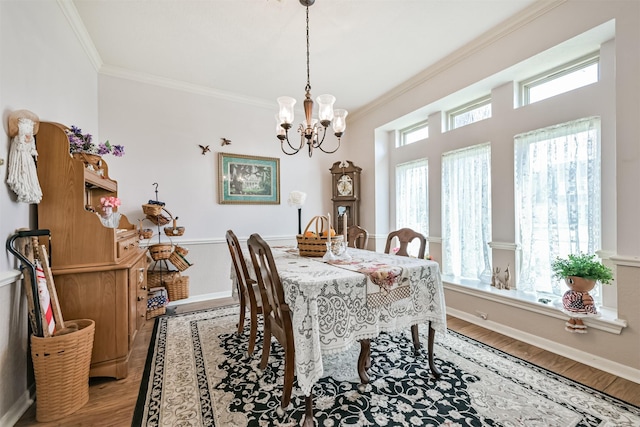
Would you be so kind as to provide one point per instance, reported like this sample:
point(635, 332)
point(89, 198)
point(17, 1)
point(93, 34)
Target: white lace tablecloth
point(329, 305)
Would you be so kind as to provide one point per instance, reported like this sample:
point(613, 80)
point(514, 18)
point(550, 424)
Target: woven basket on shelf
point(61, 367)
point(161, 277)
point(160, 251)
point(155, 312)
point(178, 289)
point(315, 245)
point(179, 261)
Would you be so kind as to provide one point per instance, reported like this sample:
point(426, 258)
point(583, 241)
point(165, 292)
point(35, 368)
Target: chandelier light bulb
point(339, 121)
point(280, 131)
point(325, 108)
point(286, 104)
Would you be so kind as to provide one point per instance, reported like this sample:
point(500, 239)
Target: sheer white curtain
point(557, 189)
point(466, 212)
point(412, 199)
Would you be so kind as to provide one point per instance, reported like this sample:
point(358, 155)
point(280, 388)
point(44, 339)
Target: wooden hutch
point(99, 272)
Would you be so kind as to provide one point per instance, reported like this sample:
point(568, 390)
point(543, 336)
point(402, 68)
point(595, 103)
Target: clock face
point(345, 186)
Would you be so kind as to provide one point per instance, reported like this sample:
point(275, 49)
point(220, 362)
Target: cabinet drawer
point(126, 246)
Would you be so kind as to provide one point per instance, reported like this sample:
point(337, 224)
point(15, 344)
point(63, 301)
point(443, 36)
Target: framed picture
point(248, 179)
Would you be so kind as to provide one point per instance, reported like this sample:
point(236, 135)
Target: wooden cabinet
point(99, 272)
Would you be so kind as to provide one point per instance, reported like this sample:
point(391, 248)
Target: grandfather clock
point(345, 183)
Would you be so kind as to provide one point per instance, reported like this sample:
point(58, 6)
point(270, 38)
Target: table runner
point(385, 283)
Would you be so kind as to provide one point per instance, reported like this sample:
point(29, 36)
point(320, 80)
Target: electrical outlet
point(481, 315)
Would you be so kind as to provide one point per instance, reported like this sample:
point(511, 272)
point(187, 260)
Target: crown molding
point(513, 24)
point(71, 13)
point(123, 73)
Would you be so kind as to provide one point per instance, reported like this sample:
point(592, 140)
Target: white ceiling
point(255, 49)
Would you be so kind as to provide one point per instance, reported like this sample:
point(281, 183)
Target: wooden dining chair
point(406, 236)
point(277, 317)
point(248, 289)
point(357, 237)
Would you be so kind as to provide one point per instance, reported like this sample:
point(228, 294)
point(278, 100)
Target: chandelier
point(312, 131)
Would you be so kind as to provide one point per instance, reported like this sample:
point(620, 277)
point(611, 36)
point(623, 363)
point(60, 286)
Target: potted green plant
point(580, 273)
point(582, 265)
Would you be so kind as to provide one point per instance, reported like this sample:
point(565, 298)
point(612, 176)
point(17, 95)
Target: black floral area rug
point(198, 374)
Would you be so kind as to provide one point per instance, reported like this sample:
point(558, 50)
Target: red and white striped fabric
point(45, 299)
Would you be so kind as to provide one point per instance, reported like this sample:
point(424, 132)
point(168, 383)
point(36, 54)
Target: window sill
point(607, 321)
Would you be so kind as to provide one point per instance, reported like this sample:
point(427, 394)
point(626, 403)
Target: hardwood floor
point(111, 402)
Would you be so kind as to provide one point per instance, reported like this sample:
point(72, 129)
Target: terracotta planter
point(580, 284)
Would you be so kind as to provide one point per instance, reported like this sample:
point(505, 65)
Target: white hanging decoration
point(22, 175)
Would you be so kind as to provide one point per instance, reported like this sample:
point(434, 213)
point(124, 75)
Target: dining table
point(351, 299)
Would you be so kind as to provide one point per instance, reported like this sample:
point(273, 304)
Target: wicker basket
point(314, 246)
point(175, 230)
point(178, 289)
point(61, 367)
point(160, 251)
point(182, 251)
point(158, 219)
point(161, 277)
point(155, 312)
point(146, 233)
point(151, 210)
point(179, 261)
point(93, 160)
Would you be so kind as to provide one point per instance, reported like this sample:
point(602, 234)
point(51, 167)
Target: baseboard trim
point(18, 409)
point(588, 359)
point(200, 298)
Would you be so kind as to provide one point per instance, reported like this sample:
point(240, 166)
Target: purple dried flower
point(79, 143)
point(118, 150)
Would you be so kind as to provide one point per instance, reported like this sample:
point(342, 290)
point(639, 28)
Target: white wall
point(615, 99)
point(44, 70)
point(161, 129)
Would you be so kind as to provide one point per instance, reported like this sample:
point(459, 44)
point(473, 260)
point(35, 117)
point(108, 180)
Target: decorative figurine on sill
point(578, 302)
point(580, 273)
point(501, 280)
point(22, 175)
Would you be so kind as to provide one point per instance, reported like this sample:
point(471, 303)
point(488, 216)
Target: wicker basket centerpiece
point(313, 241)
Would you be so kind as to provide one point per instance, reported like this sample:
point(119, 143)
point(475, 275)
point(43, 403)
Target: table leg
point(364, 360)
point(308, 411)
point(415, 335)
point(432, 333)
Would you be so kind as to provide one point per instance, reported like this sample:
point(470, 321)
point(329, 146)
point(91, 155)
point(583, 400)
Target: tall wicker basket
point(61, 366)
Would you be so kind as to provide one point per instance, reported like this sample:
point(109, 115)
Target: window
point(466, 213)
point(474, 111)
point(413, 133)
point(573, 75)
point(412, 201)
point(557, 193)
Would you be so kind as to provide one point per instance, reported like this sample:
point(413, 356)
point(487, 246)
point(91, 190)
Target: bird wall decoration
point(225, 141)
point(204, 149)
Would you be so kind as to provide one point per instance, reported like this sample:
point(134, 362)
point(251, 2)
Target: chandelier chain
point(308, 87)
